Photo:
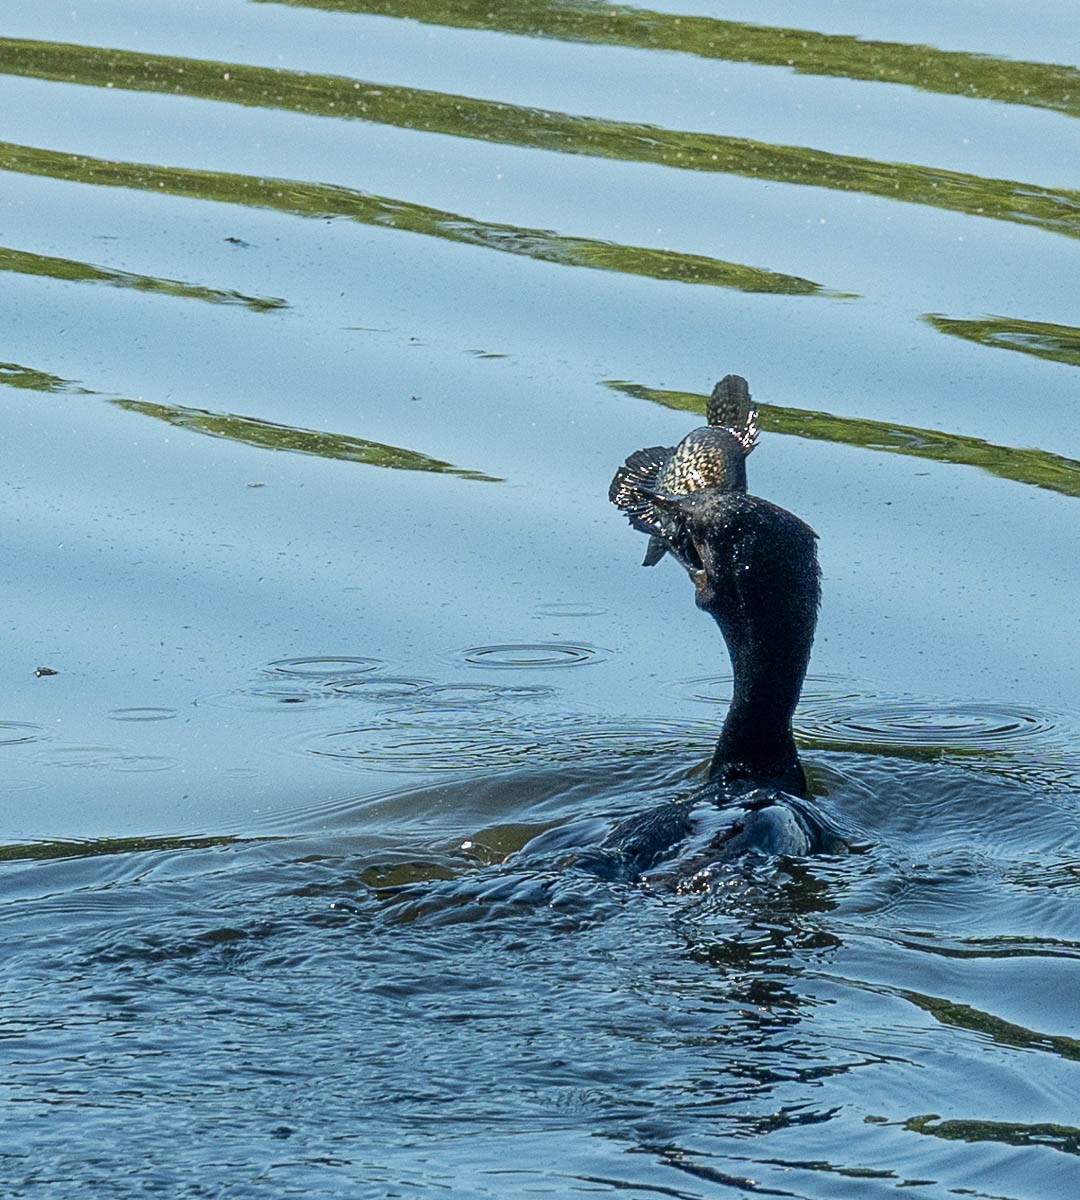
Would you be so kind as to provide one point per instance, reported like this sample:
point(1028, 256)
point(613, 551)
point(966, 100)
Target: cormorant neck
point(756, 745)
point(760, 582)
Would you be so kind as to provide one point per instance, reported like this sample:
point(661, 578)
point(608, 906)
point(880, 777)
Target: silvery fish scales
point(712, 456)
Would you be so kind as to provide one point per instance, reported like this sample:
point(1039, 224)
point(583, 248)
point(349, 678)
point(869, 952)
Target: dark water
point(325, 326)
point(379, 1005)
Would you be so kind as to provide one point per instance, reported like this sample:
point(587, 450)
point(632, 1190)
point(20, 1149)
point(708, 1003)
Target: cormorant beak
point(693, 566)
point(697, 573)
point(674, 505)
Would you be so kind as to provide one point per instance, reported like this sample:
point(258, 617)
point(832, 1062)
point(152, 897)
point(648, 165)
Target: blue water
point(325, 652)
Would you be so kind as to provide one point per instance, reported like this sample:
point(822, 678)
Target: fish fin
point(634, 482)
point(656, 551)
point(732, 407)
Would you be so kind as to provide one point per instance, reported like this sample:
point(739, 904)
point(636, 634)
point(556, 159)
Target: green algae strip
point(1042, 1135)
point(1054, 210)
point(115, 845)
point(251, 431)
point(329, 200)
point(1059, 343)
point(1038, 468)
point(266, 435)
point(23, 262)
point(948, 72)
point(16, 376)
point(1005, 1033)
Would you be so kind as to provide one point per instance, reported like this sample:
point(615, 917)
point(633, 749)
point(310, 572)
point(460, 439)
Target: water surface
point(327, 324)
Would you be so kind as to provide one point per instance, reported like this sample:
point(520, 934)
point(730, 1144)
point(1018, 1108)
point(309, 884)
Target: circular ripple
point(271, 697)
point(709, 689)
point(917, 724)
point(527, 655)
point(405, 748)
point(17, 733)
point(109, 758)
point(453, 718)
point(468, 695)
point(501, 743)
point(456, 707)
point(829, 689)
point(655, 738)
point(381, 688)
point(142, 714)
point(569, 610)
point(326, 669)
point(144, 762)
point(716, 689)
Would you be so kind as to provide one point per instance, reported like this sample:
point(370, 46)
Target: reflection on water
point(1050, 209)
point(36, 851)
point(17, 376)
point(327, 200)
point(1060, 343)
point(79, 272)
point(268, 435)
point(253, 431)
point(953, 73)
point(1055, 1137)
point(963, 1016)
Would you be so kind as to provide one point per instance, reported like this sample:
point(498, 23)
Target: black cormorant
point(755, 571)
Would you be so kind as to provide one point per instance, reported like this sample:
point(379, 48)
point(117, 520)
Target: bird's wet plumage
point(711, 456)
point(755, 571)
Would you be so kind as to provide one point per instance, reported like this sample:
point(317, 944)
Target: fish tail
point(732, 407)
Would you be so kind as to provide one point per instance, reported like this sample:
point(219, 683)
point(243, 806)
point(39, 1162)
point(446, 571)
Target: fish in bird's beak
point(712, 456)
